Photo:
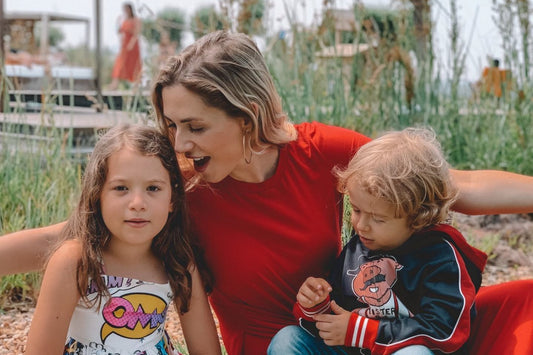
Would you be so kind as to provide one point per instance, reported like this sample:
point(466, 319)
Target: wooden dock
point(78, 125)
point(112, 100)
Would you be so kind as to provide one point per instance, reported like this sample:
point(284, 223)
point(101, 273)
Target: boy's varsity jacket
point(420, 293)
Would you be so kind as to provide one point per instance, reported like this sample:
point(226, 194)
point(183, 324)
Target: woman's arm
point(57, 299)
point(492, 192)
point(198, 325)
point(136, 32)
point(27, 250)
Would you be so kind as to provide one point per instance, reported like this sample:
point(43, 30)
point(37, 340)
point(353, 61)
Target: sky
point(479, 32)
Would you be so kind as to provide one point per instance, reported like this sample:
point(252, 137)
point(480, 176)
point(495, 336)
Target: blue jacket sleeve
point(444, 295)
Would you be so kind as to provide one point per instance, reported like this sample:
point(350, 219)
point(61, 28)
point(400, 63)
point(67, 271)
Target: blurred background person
point(167, 48)
point(128, 65)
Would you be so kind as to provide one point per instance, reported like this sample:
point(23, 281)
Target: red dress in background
point(128, 64)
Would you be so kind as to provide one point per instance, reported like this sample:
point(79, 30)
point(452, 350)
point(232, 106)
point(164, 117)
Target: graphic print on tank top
point(132, 320)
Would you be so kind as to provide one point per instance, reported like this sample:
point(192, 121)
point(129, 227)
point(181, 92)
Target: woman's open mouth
point(200, 164)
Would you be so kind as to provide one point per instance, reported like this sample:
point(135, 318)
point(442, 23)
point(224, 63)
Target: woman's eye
point(153, 188)
point(120, 188)
point(196, 129)
point(170, 124)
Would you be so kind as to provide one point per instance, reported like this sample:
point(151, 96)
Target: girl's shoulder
point(71, 247)
point(61, 269)
point(67, 255)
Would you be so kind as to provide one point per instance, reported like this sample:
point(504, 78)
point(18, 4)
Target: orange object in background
point(495, 80)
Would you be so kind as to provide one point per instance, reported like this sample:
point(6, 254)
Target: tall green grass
point(39, 183)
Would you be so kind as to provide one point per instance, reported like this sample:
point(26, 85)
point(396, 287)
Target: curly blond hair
point(408, 169)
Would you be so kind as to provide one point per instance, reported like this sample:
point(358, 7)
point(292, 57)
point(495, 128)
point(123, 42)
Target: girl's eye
point(120, 188)
point(377, 220)
point(153, 188)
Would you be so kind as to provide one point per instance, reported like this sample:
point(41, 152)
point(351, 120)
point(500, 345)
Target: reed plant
point(39, 184)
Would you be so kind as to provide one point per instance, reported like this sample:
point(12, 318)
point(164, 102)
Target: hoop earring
point(249, 160)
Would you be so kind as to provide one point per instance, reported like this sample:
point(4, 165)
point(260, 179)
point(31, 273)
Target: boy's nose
point(362, 223)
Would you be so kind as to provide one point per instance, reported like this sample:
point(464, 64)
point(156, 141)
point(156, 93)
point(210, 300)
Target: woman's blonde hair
point(408, 169)
point(229, 73)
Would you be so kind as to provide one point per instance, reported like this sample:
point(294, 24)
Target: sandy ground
point(512, 259)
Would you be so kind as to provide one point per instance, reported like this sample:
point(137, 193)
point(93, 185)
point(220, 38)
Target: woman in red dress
point(128, 64)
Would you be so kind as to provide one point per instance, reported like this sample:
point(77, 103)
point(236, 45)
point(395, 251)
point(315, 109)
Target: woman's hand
point(131, 44)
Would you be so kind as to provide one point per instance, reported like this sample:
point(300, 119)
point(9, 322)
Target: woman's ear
point(246, 122)
point(255, 108)
point(246, 125)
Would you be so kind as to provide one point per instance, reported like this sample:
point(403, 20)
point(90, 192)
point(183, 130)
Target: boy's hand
point(332, 327)
point(312, 292)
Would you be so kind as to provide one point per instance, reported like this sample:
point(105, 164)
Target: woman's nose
point(182, 143)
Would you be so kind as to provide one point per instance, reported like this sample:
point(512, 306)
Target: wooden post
point(2, 57)
point(422, 22)
point(98, 77)
point(45, 28)
point(2, 23)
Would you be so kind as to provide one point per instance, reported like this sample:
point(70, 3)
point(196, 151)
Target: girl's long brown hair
point(171, 245)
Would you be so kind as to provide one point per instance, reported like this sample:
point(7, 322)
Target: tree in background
point(250, 18)
point(524, 13)
point(206, 19)
point(55, 36)
point(373, 44)
point(387, 31)
point(244, 16)
point(422, 28)
point(165, 33)
point(171, 20)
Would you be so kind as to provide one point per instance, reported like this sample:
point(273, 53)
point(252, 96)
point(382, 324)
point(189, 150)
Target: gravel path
point(15, 324)
point(507, 263)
